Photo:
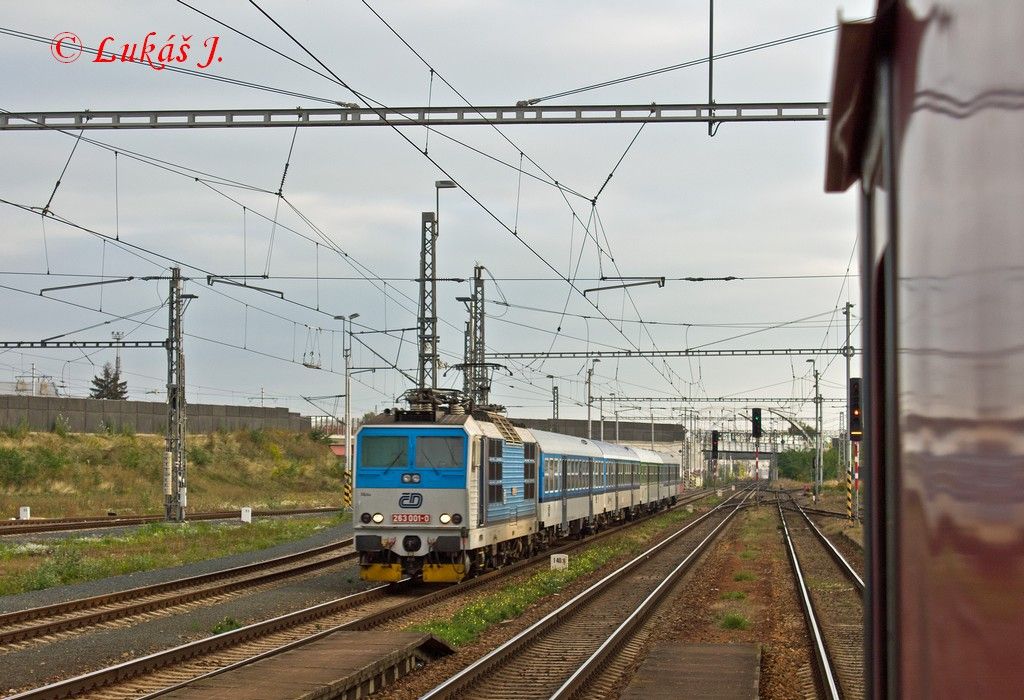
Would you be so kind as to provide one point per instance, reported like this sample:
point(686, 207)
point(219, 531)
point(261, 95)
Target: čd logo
point(410, 500)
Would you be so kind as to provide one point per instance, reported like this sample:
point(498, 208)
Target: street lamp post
point(590, 398)
point(346, 353)
point(818, 471)
point(438, 186)
point(554, 401)
point(652, 426)
point(615, 409)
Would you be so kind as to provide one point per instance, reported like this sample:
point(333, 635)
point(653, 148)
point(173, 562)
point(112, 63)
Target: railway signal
point(755, 422)
point(714, 444)
point(855, 422)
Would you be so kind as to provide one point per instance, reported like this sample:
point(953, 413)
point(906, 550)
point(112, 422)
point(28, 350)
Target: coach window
point(435, 451)
point(495, 490)
point(553, 474)
point(529, 471)
point(384, 451)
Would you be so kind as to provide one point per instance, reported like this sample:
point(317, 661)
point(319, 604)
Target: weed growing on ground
point(18, 431)
point(748, 554)
point(744, 576)
point(61, 425)
point(226, 625)
point(734, 621)
point(734, 595)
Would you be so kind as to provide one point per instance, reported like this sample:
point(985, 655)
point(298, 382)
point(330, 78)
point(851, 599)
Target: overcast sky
point(747, 203)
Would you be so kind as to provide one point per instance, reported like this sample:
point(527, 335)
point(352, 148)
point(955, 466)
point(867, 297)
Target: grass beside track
point(31, 567)
point(513, 600)
point(61, 474)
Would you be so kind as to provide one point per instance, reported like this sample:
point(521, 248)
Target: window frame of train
point(495, 468)
point(552, 471)
point(371, 452)
point(530, 451)
point(456, 458)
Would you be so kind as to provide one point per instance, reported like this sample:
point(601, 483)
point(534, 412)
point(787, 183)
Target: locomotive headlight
point(445, 518)
point(415, 478)
point(406, 478)
point(456, 518)
point(365, 517)
point(378, 517)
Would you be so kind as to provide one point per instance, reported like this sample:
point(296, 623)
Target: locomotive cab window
point(436, 451)
point(384, 451)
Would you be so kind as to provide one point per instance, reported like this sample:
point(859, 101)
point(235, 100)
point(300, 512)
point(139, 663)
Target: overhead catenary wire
point(605, 236)
point(515, 228)
point(688, 64)
point(433, 161)
point(139, 250)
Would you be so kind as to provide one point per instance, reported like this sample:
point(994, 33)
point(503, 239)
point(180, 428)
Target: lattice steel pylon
point(175, 487)
point(480, 383)
point(428, 302)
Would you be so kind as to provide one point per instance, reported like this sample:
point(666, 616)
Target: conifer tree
point(108, 385)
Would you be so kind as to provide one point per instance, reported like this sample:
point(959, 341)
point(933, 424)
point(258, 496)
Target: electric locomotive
point(441, 497)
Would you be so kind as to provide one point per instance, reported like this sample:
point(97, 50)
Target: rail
point(467, 676)
point(825, 669)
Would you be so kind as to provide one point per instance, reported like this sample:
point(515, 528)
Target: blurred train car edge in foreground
point(928, 121)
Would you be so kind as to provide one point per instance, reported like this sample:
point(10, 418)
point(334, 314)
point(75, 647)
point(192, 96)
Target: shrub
point(290, 471)
point(199, 456)
point(47, 462)
point(18, 431)
point(15, 470)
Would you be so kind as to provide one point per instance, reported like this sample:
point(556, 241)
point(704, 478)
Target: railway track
point(174, 668)
point(44, 624)
point(26, 527)
point(558, 656)
point(831, 594)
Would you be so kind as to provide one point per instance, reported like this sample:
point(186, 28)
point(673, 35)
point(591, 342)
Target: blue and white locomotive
point(443, 499)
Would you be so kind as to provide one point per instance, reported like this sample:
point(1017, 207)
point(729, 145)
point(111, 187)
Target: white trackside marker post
point(247, 514)
point(559, 562)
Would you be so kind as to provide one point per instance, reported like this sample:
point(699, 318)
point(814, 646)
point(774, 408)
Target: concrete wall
point(97, 415)
point(632, 432)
